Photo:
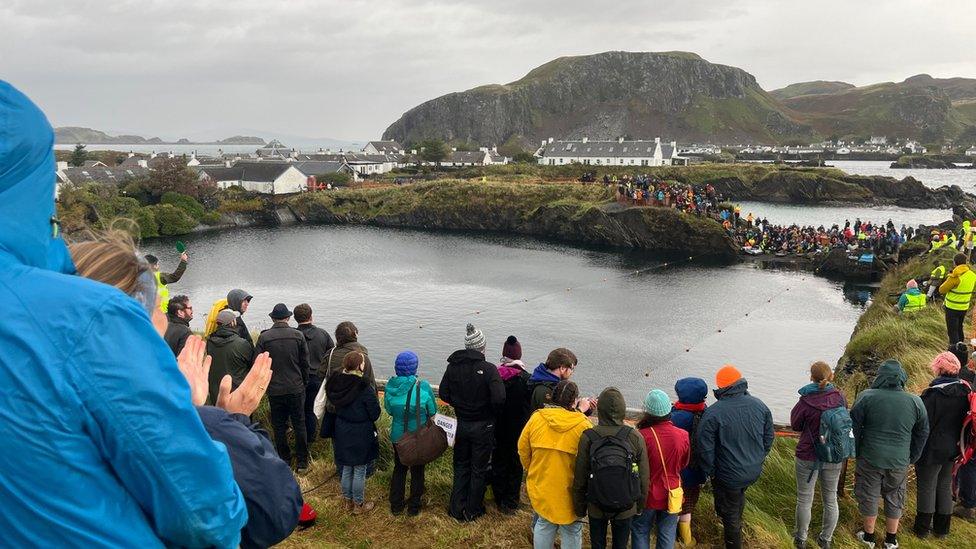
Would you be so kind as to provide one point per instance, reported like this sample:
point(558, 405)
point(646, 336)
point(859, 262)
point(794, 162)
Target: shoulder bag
point(424, 445)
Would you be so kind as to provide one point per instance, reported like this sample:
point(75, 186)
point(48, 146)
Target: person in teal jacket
point(102, 446)
point(912, 300)
point(401, 386)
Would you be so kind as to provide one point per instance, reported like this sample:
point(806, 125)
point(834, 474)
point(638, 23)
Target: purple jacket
point(805, 417)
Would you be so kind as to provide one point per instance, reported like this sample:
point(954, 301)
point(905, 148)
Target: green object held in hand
point(180, 246)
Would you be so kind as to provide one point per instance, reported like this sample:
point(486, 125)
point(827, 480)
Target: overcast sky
point(348, 68)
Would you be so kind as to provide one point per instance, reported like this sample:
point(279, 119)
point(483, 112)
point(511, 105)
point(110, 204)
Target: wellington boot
point(923, 525)
point(363, 507)
point(684, 534)
point(940, 526)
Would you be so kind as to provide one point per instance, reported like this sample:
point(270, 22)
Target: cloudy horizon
point(346, 70)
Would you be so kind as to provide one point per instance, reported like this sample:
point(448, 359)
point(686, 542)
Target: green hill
point(815, 87)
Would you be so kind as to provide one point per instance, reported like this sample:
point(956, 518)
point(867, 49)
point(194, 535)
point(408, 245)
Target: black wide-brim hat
point(280, 312)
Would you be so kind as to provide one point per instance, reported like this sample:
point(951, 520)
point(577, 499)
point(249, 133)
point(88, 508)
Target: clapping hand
point(184, 258)
point(194, 363)
point(247, 396)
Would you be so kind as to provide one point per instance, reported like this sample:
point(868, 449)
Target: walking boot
point(968, 513)
point(923, 525)
point(940, 526)
point(363, 507)
point(348, 504)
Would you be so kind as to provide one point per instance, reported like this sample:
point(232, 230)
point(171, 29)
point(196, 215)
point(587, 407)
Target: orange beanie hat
point(727, 376)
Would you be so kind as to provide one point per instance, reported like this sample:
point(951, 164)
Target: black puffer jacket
point(289, 358)
point(472, 386)
point(319, 344)
point(946, 401)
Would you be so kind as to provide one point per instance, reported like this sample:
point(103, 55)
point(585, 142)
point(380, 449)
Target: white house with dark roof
point(382, 147)
point(971, 151)
point(621, 152)
point(261, 177)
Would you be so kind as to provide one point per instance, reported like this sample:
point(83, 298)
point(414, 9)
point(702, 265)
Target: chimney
point(657, 140)
point(585, 140)
point(550, 140)
point(227, 163)
point(543, 142)
point(674, 145)
point(620, 139)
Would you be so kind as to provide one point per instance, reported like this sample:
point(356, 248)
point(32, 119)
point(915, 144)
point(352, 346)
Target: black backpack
point(614, 483)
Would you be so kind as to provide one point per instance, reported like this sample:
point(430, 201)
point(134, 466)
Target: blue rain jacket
point(101, 446)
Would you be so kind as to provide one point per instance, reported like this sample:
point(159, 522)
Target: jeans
point(283, 409)
point(729, 504)
point(640, 529)
point(506, 474)
point(934, 493)
point(398, 485)
point(619, 531)
point(806, 484)
point(544, 534)
point(473, 445)
point(311, 423)
point(954, 323)
point(353, 481)
point(967, 484)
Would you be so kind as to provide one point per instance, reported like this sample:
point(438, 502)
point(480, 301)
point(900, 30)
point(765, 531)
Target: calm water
point(416, 290)
point(965, 179)
point(784, 214)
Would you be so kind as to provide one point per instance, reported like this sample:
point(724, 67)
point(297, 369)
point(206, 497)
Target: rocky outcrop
point(430, 207)
point(675, 95)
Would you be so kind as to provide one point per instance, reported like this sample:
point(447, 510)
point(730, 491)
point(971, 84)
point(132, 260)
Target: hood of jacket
point(343, 389)
point(890, 376)
point(958, 270)
point(740, 387)
point(27, 185)
point(913, 291)
point(235, 298)
point(821, 399)
point(399, 386)
point(949, 386)
point(541, 374)
point(559, 422)
point(223, 335)
point(610, 407)
point(691, 390)
point(510, 368)
point(466, 355)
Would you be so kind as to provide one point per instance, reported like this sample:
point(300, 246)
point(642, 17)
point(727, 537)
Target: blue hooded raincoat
point(101, 446)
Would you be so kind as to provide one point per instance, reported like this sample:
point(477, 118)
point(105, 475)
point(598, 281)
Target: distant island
point(69, 135)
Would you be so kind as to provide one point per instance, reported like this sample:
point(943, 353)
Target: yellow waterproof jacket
point(958, 288)
point(547, 448)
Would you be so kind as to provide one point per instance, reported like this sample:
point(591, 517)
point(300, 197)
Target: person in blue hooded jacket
point(686, 414)
point(405, 384)
point(95, 407)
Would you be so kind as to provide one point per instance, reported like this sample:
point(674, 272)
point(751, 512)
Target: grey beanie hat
point(475, 339)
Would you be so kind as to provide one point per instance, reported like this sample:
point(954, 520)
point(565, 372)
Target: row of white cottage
point(621, 152)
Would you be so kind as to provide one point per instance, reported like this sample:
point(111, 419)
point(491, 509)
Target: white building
point(261, 177)
point(383, 147)
point(971, 151)
point(609, 153)
point(914, 147)
point(879, 140)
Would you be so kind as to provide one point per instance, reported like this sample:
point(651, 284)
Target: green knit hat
point(657, 403)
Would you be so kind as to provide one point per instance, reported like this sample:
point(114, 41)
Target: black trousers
point(311, 423)
point(506, 474)
point(473, 444)
point(954, 323)
point(398, 485)
point(619, 530)
point(729, 504)
point(285, 408)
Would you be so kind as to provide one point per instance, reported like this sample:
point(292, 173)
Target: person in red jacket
point(668, 452)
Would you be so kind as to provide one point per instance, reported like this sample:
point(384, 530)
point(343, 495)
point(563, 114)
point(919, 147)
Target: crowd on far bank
point(644, 190)
point(759, 236)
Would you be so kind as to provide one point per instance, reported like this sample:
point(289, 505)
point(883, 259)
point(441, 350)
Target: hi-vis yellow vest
point(163, 292)
point(938, 273)
point(915, 302)
point(958, 298)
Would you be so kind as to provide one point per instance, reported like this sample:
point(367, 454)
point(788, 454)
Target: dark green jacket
point(890, 425)
point(230, 354)
point(611, 410)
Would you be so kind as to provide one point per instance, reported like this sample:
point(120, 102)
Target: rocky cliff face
point(674, 95)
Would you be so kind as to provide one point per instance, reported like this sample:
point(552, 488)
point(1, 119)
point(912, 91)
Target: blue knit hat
point(406, 363)
point(657, 403)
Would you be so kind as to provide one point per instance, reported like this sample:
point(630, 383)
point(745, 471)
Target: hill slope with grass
point(810, 88)
point(678, 95)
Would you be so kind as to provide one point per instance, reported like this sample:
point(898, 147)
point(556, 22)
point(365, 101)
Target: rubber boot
point(923, 525)
point(684, 534)
point(940, 526)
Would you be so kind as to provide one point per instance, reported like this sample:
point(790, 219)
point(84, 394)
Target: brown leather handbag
point(424, 445)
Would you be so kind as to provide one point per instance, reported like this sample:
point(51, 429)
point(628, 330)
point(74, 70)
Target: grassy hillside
point(810, 88)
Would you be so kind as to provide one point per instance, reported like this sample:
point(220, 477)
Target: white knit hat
point(475, 339)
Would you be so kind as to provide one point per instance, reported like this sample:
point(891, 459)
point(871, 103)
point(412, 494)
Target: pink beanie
point(945, 363)
point(911, 284)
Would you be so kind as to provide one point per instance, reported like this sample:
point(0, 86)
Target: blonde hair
point(820, 373)
point(109, 257)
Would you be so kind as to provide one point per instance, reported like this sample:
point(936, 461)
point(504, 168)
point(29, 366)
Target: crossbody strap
point(664, 465)
point(417, 402)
